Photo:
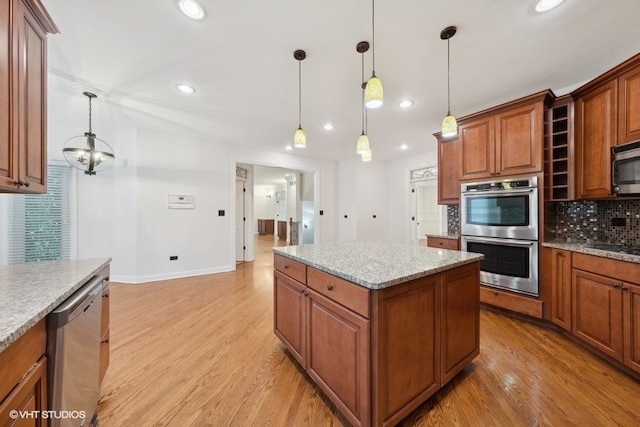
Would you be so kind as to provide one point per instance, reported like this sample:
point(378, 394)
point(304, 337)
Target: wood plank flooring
point(201, 352)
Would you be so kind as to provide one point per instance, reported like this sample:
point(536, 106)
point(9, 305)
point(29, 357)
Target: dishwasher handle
point(78, 303)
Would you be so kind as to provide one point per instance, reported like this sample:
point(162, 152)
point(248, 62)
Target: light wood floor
point(201, 352)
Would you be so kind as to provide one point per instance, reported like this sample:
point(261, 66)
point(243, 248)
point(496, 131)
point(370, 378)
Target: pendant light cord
point(299, 94)
point(373, 37)
point(362, 86)
point(90, 115)
point(448, 78)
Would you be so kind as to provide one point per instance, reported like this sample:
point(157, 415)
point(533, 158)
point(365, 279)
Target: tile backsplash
point(583, 221)
point(453, 219)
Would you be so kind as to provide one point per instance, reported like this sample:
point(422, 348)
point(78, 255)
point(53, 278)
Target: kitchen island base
point(378, 354)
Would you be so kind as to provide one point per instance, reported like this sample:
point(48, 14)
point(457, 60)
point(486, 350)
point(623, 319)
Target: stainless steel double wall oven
point(500, 220)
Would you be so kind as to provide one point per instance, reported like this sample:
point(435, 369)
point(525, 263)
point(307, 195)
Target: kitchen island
point(379, 327)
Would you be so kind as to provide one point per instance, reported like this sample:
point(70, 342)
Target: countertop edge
point(584, 249)
point(10, 338)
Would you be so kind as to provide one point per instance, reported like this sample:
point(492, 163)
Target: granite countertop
point(28, 292)
point(586, 248)
point(377, 264)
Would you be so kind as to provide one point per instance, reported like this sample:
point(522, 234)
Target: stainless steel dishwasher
point(73, 349)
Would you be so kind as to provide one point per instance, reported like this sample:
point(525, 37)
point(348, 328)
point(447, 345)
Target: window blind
point(39, 225)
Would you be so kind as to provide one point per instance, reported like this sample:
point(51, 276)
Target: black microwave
point(625, 168)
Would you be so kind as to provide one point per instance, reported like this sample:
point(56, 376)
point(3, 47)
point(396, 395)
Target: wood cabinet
point(606, 307)
point(607, 113)
point(448, 170)
point(444, 242)
point(629, 106)
point(505, 140)
point(595, 114)
point(597, 314)
point(561, 288)
point(377, 354)
point(266, 226)
point(23, 379)
point(559, 153)
point(23, 95)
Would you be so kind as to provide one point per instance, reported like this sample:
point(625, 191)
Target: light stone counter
point(586, 249)
point(377, 264)
point(28, 292)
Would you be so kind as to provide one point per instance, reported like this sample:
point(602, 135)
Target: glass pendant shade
point(373, 92)
point(362, 146)
point(299, 139)
point(88, 153)
point(366, 157)
point(449, 126)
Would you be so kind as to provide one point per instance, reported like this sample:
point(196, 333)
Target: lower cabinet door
point(338, 361)
point(631, 326)
point(28, 398)
point(289, 311)
point(597, 317)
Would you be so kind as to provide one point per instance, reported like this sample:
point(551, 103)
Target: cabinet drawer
point(617, 269)
point(348, 294)
point(291, 268)
point(443, 243)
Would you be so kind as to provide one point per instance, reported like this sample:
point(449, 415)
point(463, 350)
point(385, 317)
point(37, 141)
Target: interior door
point(240, 220)
point(428, 214)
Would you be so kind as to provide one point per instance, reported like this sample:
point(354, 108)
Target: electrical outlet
point(173, 258)
point(619, 222)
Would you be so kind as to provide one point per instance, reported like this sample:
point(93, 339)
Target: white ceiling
point(240, 59)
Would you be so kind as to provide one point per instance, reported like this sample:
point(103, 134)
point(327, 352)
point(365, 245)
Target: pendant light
point(373, 92)
point(88, 153)
point(449, 123)
point(362, 145)
point(300, 139)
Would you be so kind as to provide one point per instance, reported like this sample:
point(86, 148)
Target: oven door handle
point(505, 242)
point(496, 192)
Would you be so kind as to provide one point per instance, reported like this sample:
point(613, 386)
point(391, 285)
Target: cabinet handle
point(104, 341)
point(624, 288)
point(285, 267)
point(302, 291)
point(105, 296)
point(306, 294)
point(616, 285)
point(329, 287)
point(23, 183)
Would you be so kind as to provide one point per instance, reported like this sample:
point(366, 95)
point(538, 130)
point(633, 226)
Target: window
point(39, 225)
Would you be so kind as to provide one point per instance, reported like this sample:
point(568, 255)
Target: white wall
point(123, 214)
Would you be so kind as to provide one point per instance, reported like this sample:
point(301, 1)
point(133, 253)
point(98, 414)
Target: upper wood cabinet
point(607, 113)
point(505, 140)
point(23, 95)
point(595, 135)
point(629, 106)
point(448, 171)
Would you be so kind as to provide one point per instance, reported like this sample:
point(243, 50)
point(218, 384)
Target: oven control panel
point(501, 185)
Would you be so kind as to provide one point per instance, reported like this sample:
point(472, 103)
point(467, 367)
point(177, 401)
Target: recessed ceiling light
point(185, 88)
point(192, 8)
point(328, 126)
point(406, 103)
point(404, 146)
point(545, 5)
point(288, 148)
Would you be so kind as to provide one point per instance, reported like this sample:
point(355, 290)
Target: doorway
point(429, 218)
